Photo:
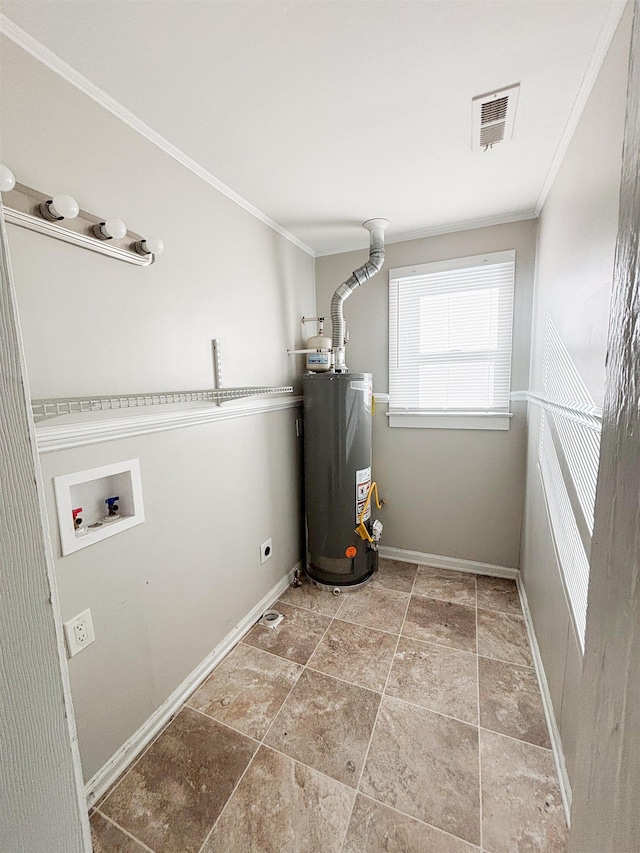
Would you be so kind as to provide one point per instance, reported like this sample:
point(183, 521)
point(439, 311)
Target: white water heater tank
point(319, 362)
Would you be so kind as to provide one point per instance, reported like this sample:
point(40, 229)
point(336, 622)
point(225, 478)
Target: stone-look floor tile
point(295, 638)
point(443, 680)
point(355, 653)
point(510, 701)
point(171, 798)
point(394, 574)
point(282, 806)
point(375, 827)
point(442, 622)
point(375, 608)
point(503, 636)
point(327, 725)
point(246, 690)
point(311, 598)
point(107, 838)
point(447, 585)
point(498, 594)
point(521, 804)
point(426, 765)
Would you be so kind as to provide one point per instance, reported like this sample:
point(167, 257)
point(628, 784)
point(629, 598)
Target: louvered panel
point(494, 110)
point(492, 134)
point(494, 117)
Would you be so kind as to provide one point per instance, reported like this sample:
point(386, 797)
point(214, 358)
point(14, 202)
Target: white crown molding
point(466, 225)
point(131, 749)
point(36, 49)
point(62, 436)
point(609, 27)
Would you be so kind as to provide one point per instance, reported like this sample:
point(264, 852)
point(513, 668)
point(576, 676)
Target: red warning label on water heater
point(363, 485)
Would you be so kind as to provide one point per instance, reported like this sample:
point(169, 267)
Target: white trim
point(122, 758)
point(568, 601)
point(554, 733)
point(589, 416)
point(456, 564)
point(450, 420)
point(508, 256)
point(609, 27)
point(454, 227)
point(67, 72)
point(52, 437)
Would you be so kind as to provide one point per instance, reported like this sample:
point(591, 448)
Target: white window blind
point(450, 327)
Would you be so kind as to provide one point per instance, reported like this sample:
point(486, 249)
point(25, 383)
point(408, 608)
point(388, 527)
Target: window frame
point(453, 418)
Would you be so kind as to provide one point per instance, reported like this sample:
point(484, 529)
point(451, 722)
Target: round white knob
point(7, 179)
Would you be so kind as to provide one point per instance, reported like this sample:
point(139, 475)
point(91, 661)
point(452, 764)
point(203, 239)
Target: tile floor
point(401, 717)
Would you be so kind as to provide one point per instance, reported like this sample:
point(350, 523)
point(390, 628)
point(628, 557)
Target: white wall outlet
point(266, 550)
point(79, 632)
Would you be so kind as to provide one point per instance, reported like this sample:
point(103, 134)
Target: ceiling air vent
point(493, 117)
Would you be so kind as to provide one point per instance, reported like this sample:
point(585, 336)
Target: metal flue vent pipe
point(364, 273)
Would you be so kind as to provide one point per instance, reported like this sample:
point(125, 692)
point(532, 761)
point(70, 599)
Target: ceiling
point(324, 114)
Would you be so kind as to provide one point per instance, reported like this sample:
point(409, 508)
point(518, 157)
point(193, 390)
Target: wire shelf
point(52, 408)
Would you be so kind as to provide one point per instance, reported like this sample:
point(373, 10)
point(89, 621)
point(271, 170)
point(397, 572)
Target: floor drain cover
point(271, 619)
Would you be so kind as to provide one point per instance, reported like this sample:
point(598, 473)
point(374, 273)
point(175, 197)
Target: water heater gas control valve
point(376, 530)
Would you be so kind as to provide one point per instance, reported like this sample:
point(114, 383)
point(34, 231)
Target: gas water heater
point(340, 494)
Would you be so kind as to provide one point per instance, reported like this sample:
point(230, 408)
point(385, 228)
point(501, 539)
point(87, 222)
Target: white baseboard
point(454, 563)
point(554, 733)
point(129, 751)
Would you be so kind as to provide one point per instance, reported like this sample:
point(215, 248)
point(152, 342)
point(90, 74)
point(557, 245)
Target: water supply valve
point(113, 513)
point(77, 522)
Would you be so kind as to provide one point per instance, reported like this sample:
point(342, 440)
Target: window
point(450, 328)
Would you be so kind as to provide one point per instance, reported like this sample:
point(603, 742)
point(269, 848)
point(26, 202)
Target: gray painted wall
point(455, 493)
point(165, 593)
point(574, 268)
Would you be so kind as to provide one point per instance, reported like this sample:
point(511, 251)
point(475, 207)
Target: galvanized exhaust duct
point(376, 229)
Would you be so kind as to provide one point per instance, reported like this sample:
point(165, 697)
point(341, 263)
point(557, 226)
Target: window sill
point(467, 420)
